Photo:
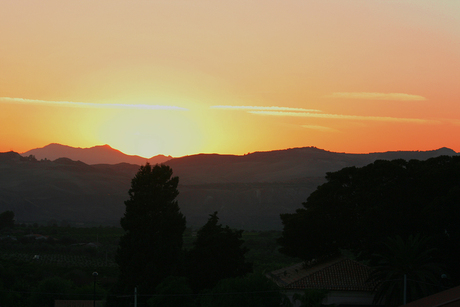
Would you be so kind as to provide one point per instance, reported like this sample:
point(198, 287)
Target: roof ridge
point(323, 265)
point(299, 273)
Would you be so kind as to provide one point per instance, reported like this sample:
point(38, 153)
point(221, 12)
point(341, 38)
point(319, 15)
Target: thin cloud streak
point(258, 108)
point(377, 96)
point(90, 104)
point(319, 128)
point(346, 117)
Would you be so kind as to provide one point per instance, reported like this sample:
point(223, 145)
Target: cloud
point(90, 104)
point(377, 96)
point(346, 117)
point(454, 122)
point(258, 108)
point(320, 128)
point(313, 113)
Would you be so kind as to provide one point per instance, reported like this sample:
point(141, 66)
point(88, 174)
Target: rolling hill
point(103, 154)
point(248, 191)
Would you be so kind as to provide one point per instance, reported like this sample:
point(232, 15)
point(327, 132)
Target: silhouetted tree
point(405, 261)
point(51, 289)
point(217, 253)
point(358, 207)
point(252, 290)
point(9, 298)
point(173, 291)
point(309, 298)
point(30, 158)
point(150, 249)
point(7, 219)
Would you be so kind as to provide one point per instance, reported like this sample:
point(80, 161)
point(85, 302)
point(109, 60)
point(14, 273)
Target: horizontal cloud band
point(259, 108)
point(377, 96)
point(319, 128)
point(90, 104)
point(339, 116)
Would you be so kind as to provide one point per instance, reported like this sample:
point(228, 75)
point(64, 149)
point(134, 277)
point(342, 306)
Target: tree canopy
point(171, 292)
point(7, 219)
point(357, 208)
point(217, 253)
point(252, 290)
point(405, 271)
point(150, 249)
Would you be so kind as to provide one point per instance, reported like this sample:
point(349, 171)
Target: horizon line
point(232, 154)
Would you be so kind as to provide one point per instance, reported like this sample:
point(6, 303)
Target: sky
point(171, 77)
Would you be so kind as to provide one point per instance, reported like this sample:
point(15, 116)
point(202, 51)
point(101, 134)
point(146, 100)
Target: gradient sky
point(184, 77)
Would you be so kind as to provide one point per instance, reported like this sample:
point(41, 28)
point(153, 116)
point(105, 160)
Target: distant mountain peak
point(446, 150)
point(103, 146)
point(56, 145)
point(100, 154)
point(105, 154)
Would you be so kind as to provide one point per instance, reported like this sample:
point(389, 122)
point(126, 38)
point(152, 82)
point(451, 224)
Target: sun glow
point(151, 132)
point(180, 78)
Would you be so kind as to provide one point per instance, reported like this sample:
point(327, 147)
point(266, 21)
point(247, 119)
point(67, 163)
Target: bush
point(254, 290)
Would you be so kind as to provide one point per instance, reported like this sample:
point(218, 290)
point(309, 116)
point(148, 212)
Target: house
point(447, 298)
point(345, 280)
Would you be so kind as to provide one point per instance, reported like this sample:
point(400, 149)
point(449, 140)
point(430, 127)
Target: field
point(95, 248)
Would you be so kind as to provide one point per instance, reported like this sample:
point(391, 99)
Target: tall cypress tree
point(150, 249)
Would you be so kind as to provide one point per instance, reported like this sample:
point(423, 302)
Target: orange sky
point(185, 77)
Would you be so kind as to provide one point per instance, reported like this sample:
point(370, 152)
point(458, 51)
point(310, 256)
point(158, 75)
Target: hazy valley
point(249, 191)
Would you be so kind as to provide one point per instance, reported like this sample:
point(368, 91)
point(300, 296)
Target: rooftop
point(450, 297)
point(339, 274)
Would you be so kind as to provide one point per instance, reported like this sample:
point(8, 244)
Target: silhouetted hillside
point(95, 155)
point(281, 165)
point(248, 191)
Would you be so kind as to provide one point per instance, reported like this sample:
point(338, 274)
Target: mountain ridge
point(249, 191)
point(100, 154)
point(105, 154)
point(280, 165)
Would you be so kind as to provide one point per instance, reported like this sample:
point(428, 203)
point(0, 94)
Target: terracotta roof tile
point(338, 274)
point(450, 297)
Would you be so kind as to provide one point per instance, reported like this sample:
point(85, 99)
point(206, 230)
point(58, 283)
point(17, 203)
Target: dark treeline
point(385, 212)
